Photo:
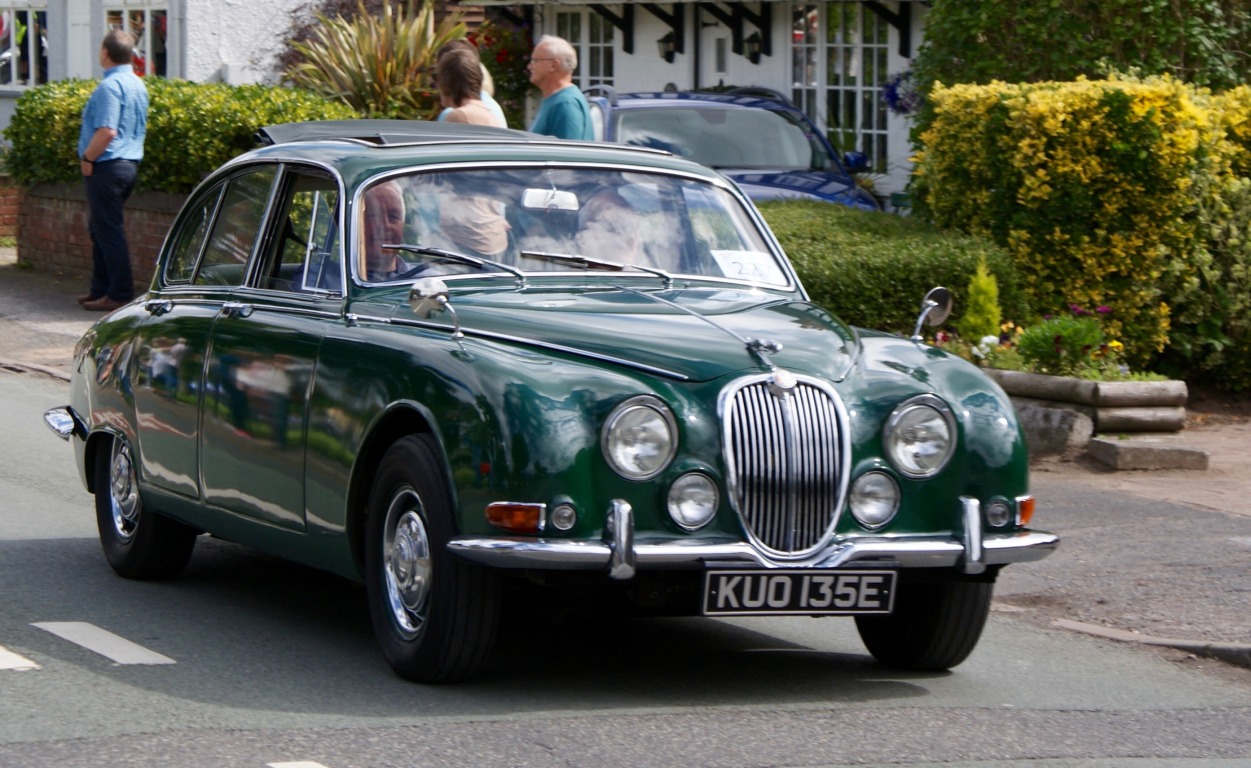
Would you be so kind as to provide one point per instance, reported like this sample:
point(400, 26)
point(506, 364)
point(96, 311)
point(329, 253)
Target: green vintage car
point(457, 363)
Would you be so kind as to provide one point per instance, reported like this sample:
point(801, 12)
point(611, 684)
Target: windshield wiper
point(441, 254)
point(601, 264)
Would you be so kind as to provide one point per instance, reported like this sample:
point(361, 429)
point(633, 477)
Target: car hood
point(693, 334)
point(803, 185)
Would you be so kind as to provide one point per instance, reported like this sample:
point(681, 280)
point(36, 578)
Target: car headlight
point(640, 438)
point(693, 501)
point(874, 499)
point(920, 436)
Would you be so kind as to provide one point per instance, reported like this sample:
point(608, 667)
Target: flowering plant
point(900, 93)
point(1064, 345)
point(505, 50)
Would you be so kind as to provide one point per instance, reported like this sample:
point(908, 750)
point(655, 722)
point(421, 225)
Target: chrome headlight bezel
point(647, 413)
point(901, 427)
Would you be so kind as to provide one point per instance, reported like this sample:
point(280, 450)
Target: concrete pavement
point(42, 322)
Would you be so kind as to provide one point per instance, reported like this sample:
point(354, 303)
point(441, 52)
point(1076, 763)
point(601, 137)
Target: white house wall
point(234, 41)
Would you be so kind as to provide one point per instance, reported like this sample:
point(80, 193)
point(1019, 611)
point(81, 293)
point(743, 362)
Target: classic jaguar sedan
point(464, 364)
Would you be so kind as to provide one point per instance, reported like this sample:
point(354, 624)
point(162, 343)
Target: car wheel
point(138, 543)
point(434, 615)
point(934, 626)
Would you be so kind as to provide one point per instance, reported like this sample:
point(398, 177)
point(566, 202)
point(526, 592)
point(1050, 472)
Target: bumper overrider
point(620, 554)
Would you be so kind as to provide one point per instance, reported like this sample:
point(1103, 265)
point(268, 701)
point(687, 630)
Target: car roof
point(741, 100)
point(359, 149)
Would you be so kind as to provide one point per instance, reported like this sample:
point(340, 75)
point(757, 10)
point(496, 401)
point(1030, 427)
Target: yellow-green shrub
point(1089, 185)
point(192, 128)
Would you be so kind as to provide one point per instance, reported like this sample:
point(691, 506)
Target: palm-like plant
point(382, 65)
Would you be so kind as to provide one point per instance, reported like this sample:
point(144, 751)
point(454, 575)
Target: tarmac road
point(1158, 558)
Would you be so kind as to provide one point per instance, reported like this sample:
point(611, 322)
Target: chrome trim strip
point(974, 561)
point(920, 552)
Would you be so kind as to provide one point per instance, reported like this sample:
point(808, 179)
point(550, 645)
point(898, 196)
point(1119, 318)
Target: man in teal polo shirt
point(563, 112)
point(110, 145)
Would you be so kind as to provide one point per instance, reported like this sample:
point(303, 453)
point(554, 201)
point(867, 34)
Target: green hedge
point(192, 128)
point(872, 269)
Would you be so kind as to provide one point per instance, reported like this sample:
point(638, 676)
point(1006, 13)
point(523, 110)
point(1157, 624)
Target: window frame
point(147, 63)
point(33, 48)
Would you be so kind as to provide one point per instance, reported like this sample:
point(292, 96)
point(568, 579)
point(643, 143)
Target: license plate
point(806, 592)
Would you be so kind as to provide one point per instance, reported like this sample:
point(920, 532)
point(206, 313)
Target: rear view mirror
point(549, 200)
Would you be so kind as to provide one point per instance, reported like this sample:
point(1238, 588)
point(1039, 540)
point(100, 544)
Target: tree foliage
point(976, 41)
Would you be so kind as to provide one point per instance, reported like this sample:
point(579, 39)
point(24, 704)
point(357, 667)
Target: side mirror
point(935, 309)
point(855, 162)
point(428, 296)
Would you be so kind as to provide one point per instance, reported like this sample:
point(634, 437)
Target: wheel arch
point(400, 420)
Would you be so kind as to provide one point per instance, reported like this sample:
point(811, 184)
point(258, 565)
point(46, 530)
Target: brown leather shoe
point(103, 304)
point(86, 297)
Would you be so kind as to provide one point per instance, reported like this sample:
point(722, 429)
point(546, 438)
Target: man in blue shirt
point(110, 145)
point(563, 112)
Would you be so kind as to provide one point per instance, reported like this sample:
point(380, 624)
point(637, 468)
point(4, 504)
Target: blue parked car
point(755, 137)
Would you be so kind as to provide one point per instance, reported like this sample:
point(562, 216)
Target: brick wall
point(8, 207)
point(52, 230)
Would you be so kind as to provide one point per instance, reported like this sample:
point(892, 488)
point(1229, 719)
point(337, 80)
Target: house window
point(23, 44)
point(591, 35)
point(149, 23)
point(839, 54)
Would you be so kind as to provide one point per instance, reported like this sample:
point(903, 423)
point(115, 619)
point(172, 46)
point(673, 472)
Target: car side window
point(303, 255)
point(189, 240)
point(234, 232)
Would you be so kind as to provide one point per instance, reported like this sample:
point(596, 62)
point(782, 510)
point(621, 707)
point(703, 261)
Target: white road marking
point(103, 642)
point(301, 764)
point(11, 660)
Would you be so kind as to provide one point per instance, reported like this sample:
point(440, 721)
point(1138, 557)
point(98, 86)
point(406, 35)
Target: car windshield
point(723, 137)
point(517, 221)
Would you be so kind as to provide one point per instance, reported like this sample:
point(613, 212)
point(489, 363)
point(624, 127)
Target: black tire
point(138, 543)
point(934, 626)
point(434, 615)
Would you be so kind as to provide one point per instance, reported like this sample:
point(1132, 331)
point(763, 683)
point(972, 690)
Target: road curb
point(14, 365)
point(1234, 653)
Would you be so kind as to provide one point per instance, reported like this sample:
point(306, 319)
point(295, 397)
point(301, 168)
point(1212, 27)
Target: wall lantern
point(752, 47)
point(668, 47)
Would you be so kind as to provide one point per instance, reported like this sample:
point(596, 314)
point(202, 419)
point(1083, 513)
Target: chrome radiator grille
point(786, 449)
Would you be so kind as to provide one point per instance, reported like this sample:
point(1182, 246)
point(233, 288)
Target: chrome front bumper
point(620, 553)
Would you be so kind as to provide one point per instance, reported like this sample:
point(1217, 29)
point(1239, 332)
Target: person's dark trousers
point(108, 186)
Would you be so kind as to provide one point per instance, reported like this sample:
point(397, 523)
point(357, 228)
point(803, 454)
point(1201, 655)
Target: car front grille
point(786, 449)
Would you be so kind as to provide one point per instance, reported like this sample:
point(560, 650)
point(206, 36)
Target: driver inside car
point(383, 223)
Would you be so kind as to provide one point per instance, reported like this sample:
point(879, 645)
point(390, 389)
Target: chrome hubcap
point(123, 492)
point(406, 563)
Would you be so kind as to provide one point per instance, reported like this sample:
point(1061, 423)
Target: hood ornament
point(782, 383)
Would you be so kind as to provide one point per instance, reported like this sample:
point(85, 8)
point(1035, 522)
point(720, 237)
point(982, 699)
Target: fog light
point(516, 517)
point(998, 514)
point(874, 499)
point(693, 501)
point(564, 517)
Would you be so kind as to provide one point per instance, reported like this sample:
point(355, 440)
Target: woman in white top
point(460, 84)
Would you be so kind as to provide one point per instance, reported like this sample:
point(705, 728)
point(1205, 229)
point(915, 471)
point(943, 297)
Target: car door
point(262, 354)
point(171, 343)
